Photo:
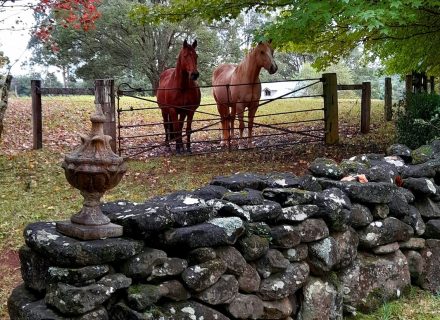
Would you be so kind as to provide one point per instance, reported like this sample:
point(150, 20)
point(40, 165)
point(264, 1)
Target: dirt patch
point(10, 277)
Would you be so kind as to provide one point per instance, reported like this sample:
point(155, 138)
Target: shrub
point(419, 123)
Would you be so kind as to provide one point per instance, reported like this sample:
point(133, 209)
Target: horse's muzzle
point(273, 68)
point(194, 75)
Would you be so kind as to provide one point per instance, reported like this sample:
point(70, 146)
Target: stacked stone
point(250, 246)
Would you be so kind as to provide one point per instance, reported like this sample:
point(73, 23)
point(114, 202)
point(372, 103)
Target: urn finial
point(93, 168)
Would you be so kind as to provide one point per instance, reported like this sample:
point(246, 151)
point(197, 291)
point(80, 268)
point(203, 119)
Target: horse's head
point(188, 59)
point(264, 56)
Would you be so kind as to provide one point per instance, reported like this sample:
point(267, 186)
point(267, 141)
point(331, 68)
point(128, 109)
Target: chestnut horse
point(178, 96)
point(237, 87)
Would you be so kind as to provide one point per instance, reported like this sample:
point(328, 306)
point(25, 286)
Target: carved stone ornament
point(93, 168)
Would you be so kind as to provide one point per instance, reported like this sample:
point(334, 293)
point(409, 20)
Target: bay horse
point(237, 87)
point(178, 96)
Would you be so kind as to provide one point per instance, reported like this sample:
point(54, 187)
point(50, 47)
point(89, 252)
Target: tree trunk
point(4, 88)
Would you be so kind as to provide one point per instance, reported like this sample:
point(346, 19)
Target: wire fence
point(289, 113)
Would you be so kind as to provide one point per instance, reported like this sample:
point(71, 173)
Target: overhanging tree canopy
point(404, 34)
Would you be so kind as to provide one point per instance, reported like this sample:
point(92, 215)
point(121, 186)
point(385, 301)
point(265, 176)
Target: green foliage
point(419, 123)
point(404, 34)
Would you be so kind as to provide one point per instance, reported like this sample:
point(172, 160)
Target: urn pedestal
point(93, 168)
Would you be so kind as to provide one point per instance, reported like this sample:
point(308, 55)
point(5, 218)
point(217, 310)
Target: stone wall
point(250, 246)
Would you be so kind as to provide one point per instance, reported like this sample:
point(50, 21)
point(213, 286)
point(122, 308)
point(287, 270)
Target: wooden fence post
point(331, 117)
point(408, 88)
point(388, 111)
point(365, 107)
point(432, 84)
point(105, 97)
point(37, 122)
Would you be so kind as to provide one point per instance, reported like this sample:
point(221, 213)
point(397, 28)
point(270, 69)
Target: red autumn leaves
point(76, 14)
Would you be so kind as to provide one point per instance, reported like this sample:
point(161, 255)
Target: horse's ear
point(185, 43)
point(270, 41)
point(260, 42)
point(194, 45)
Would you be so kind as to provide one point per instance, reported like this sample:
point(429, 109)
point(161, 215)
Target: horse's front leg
point(167, 126)
point(240, 114)
point(179, 138)
point(251, 115)
point(189, 120)
point(232, 115)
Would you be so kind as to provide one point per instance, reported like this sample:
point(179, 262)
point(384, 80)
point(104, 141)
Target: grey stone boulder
point(349, 167)
point(312, 230)
point(297, 213)
point(298, 253)
point(23, 304)
point(201, 255)
point(246, 306)
point(76, 276)
point(141, 266)
point(244, 197)
point(139, 220)
point(288, 196)
point(347, 244)
point(210, 191)
point(423, 170)
point(334, 208)
point(215, 232)
point(422, 154)
point(360, 216)
point(174, 290)
point(71, 300)
point(383, 232)
point(281, 180)
point(64, 251)
point(430, 276)
point(400, 150)
point(324, 167)
point(323, 255)
point(142, 296)
point(284, 284)
point(190, 310)
point(185, 208)
point(415, 264)
point(168, 268)
point(372, 192)
point(34, 269)
point(278, 309)
point(413, 244)
point(399, 206)
point(267, 211)
point(120, 311)
point(415, 220)
point(223, 208)
point(253, 246)
point(420, 186)
point(272, 262)
point(234, 261)
point(427, 208)
point(432, 229)
point(249, 281)
point(309, 183)
point(240, 181)
point(284, 236)
point(372, 280)
point(201, 276)
point(386, 248)
point(380, 211)
point(322, 300)
point(221, 292)
point(382, 172)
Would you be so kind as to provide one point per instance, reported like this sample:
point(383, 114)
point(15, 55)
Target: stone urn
point(93, 168)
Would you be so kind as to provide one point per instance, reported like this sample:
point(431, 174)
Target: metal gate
point(288, 114)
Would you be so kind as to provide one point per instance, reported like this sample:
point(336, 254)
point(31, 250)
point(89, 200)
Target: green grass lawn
point(33, 186)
